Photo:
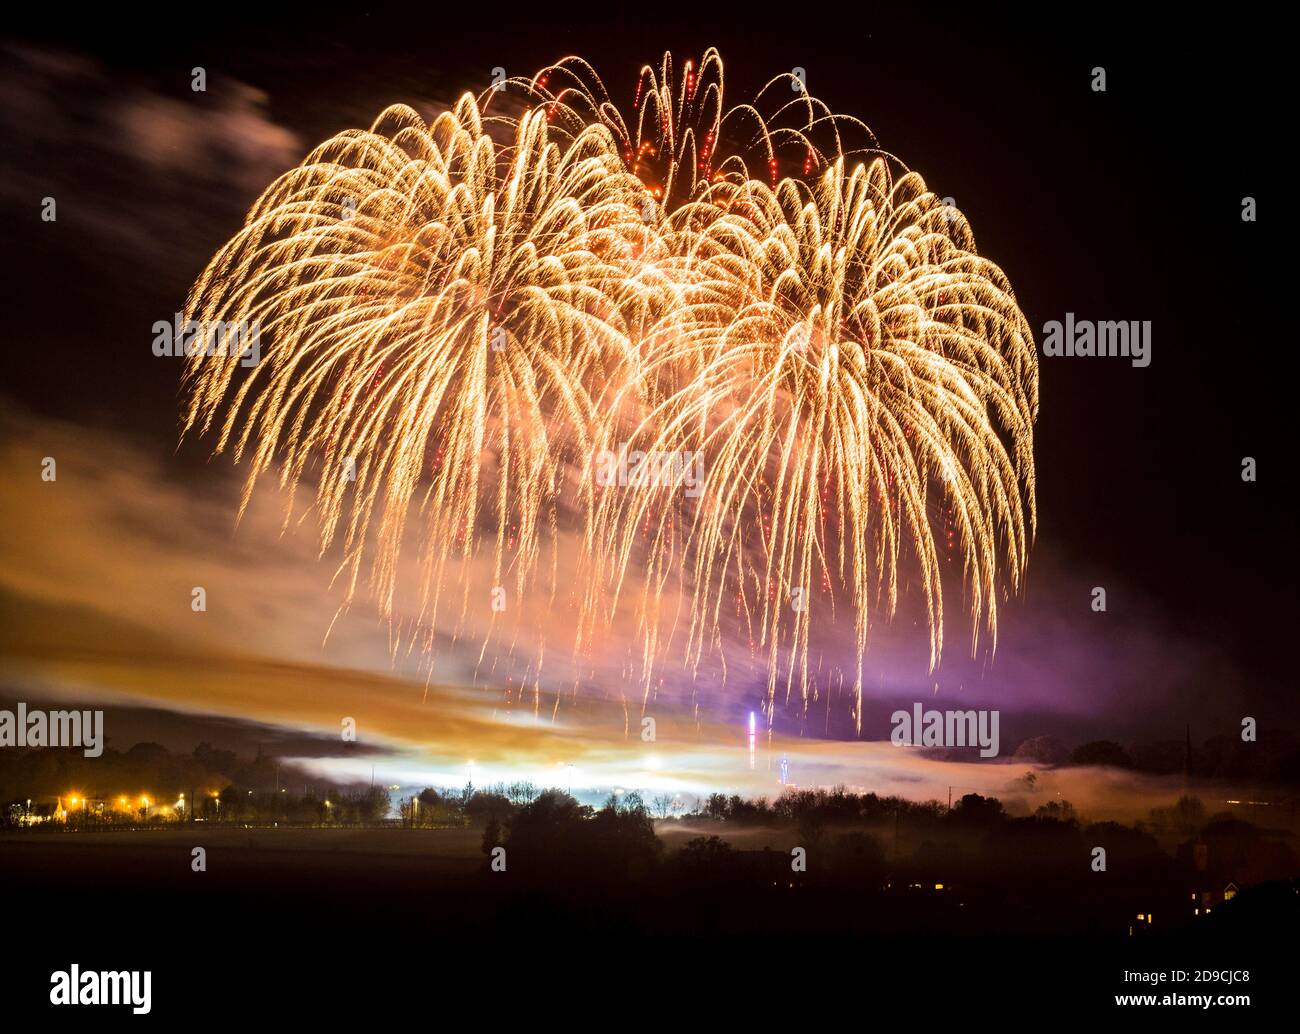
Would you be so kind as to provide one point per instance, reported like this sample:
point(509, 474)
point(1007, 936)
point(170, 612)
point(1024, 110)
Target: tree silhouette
point(1101, 752)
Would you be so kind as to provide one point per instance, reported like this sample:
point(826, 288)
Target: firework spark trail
point(381, 270)
point(851, 370)
point(868, 362)
point(682, 137)
point(852, 360)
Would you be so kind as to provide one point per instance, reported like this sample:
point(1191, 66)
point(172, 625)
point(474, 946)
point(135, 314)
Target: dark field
point(322, 920)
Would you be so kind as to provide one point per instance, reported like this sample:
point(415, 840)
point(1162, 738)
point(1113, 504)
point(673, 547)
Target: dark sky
point(1123, 205)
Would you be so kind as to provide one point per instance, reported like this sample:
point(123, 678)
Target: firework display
point(461, 318)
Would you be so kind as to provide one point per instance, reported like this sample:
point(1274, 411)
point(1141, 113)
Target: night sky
point(1123, 205)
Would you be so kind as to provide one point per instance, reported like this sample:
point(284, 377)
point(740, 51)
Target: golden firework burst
point(473, 322)
point(853, 373)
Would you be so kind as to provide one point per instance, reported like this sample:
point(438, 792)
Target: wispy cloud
point(96, 574)
point(143, 169)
